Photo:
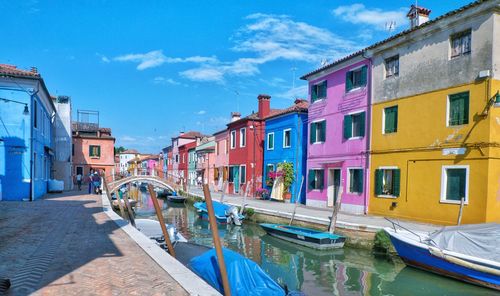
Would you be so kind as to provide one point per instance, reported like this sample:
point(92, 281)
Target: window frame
point(349, 169)
point(448, 106)
point(232, 139)
point(357, 113)
point(242, 167)
point(444, 183)
point(384, 117)
point(351, 73)
point(315, 88)
point(394, 58)
point(388, 168)
point(461, 35)
point(243, 137)
point(315, 179)
point(317, 131)
point(284, 137)
point(90, 151)
point(267, 142)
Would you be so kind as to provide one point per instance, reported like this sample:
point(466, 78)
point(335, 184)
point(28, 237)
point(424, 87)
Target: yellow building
point(435, 133)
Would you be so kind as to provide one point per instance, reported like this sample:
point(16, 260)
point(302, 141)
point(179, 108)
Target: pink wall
point(337, 152)
point(82, 157)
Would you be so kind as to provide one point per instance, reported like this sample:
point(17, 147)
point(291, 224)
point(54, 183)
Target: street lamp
point(26, 111)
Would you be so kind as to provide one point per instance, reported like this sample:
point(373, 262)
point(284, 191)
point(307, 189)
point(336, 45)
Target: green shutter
point(323, 89)
point(379, 182)
point(395, 119)
point(459, 109)
point(99, 151)
point(311, 177)
point(312, 135)
point(364, 75)
point(359, 181)
point(465, 112)
point(455, 187)
point(322, 131)
point(396, 181)
point(321, 179)
point(347, 126)
point(314, 93)
point(391, 120)
point(362, 121)
point(348, 81)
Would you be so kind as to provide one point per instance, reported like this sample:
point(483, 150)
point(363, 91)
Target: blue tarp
point(245, 276)
point(219, 208)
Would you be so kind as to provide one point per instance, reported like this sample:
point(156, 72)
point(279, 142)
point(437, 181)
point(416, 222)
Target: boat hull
point(422, 258)
point(324, 243)
point(176, 198)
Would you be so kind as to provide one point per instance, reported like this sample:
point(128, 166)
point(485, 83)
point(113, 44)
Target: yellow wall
point(416, 149)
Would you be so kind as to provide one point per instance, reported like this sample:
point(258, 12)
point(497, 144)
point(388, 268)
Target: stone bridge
point(154, 180)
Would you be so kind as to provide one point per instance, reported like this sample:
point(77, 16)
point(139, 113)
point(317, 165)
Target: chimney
point(418, 15)
point(264, 105)
point(235, 116)
point(298, 101)
point(34, 70)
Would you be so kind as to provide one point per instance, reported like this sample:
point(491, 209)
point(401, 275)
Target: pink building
point(221, 159)
point(339, 116)
point(205, 160)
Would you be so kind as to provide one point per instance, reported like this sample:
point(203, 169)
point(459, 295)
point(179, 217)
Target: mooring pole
point(336, 209)
point(129, 210)
point(122, 211)
point(161, 220)
point(217, 244)
point(296, 201)
point(462, 201)
point(108, 194)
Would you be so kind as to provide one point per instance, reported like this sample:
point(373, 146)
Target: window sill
point(392, 76)
point(387, 196)
point(268, 149)
point(453, 202)
point(318, 101)
point(95, 157)
point(389, 133)
point(355, 138)
point(354, 193)
point(457, 125)
point(354, 90)
point(286, 147)
point(315, 143)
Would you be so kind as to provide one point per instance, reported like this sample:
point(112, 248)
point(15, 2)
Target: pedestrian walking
point(79, 181)
point(89, 179)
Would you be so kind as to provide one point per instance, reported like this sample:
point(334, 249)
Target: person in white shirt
point(79, 181)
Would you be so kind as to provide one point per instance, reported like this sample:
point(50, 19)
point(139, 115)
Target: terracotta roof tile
point(11, 70)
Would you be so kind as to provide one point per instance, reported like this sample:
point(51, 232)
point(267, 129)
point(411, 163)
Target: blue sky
point(153, 68)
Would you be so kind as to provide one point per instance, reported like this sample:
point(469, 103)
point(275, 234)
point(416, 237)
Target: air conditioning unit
point(484, 74)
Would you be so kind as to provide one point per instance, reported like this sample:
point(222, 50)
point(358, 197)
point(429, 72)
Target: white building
point(63, 159)
point(125, 157)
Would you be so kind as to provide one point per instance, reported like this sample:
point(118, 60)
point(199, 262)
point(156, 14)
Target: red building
point(246, 142)
point(184, 159)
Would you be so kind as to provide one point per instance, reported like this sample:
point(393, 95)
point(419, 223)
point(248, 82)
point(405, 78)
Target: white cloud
point(128, 139)
point(163, 80)
point(201, 112)
point(204, 74)
point(377, 18)
point(294, 93)
point(156, 58)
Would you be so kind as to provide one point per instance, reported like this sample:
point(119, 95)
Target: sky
point(154, 68)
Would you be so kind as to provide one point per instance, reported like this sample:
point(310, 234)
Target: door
point(333, 186)
point(236, 178)
point(79, 170)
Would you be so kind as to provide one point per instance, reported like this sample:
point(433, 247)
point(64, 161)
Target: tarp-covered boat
point(223, 213)
point(245, 277)
point(152, 229)
point(305, 236)
point(470, 253)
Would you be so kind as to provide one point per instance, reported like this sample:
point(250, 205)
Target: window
point(392, 66)
point(243, 174)
point(73, 149)
point(317, 132)
point(455, 184)
point(316, 179)
point(270, 141)
point(355, 180)
point(458, 109)
point(354, 125)
point(177, 158)
point(231, 174)
point(243, 137)
point(269, 168)
point(217, 144)
point(356, 78)
point(390, 120)
point(460, 44)
point(318, 91)
point(35, 114)
point(94, 151)
point(233, 139)
point(226, 147)
point(79, 170)
point(387, 182)
point(287, 140)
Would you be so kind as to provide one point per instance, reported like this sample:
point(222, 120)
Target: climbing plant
point(288, 174)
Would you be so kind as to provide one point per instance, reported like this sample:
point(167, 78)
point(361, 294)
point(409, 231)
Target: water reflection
point(339, 272)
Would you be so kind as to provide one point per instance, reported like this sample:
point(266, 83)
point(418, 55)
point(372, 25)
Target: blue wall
point(298, 125)
point(15, 160)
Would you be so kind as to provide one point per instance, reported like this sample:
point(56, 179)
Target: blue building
point(286, 141)
point(27, 115)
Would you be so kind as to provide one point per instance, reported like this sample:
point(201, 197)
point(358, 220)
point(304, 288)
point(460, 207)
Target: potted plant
point(288, 178)
point(263, 193)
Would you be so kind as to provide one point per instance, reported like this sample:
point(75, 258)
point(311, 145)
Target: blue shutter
point(312, 135)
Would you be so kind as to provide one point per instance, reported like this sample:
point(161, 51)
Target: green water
point(344, 271)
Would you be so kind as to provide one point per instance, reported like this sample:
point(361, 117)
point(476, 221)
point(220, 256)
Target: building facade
point(93, 149)
point(26, 134)
point(63, 160)
point(221, 161)
point(339, 120)
point(205, 160)
point(192, 174)
point(435, 131)
point(286, 141)
point(125, 157)
point(182, 139)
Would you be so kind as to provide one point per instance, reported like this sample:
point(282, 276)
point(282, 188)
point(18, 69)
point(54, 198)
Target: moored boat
point(223, 213)
point(174, 197)
point(152, 229)
point(132, 203)
point(305, 236)
point(469, 253)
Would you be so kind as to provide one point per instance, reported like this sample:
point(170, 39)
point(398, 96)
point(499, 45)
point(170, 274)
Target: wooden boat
point(305, 236)
point(132, 202)
point(174, 197)
point(469, 253)
point(223, 213)
point(152, 229)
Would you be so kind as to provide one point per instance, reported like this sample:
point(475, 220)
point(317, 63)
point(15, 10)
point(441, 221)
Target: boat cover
point(219, 208)
point(477, 240)
point(245, 276)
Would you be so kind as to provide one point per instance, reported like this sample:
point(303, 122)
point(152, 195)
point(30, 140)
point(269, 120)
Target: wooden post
point(217, 244)
point(122, 211)
point(108, 194)
point(296, 201)
point(462, 201)
point(129, 211)
point(161, 220)
point(336, 209)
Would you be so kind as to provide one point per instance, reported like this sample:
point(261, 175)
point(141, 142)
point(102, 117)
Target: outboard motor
point(233, 216)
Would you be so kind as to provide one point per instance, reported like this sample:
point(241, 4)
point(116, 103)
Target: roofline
point(303, 111)
point(400, 34)
point(40, 79)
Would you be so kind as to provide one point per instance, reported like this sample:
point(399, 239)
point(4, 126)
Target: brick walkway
point(66, 245)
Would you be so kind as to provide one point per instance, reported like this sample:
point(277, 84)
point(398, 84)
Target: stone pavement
point(314, 214)
point(66, 245)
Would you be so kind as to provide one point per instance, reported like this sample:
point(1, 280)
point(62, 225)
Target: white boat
point(152, 229)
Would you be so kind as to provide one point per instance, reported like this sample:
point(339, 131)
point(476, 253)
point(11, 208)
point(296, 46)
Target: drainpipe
point(368, 137)
point(32, 163)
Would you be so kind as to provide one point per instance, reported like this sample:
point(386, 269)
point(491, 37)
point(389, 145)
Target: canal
point(344, 271)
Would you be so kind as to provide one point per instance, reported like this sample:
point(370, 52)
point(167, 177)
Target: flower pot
point(287, 195)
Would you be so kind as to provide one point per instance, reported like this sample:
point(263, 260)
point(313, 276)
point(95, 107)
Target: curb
point(187, 279)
